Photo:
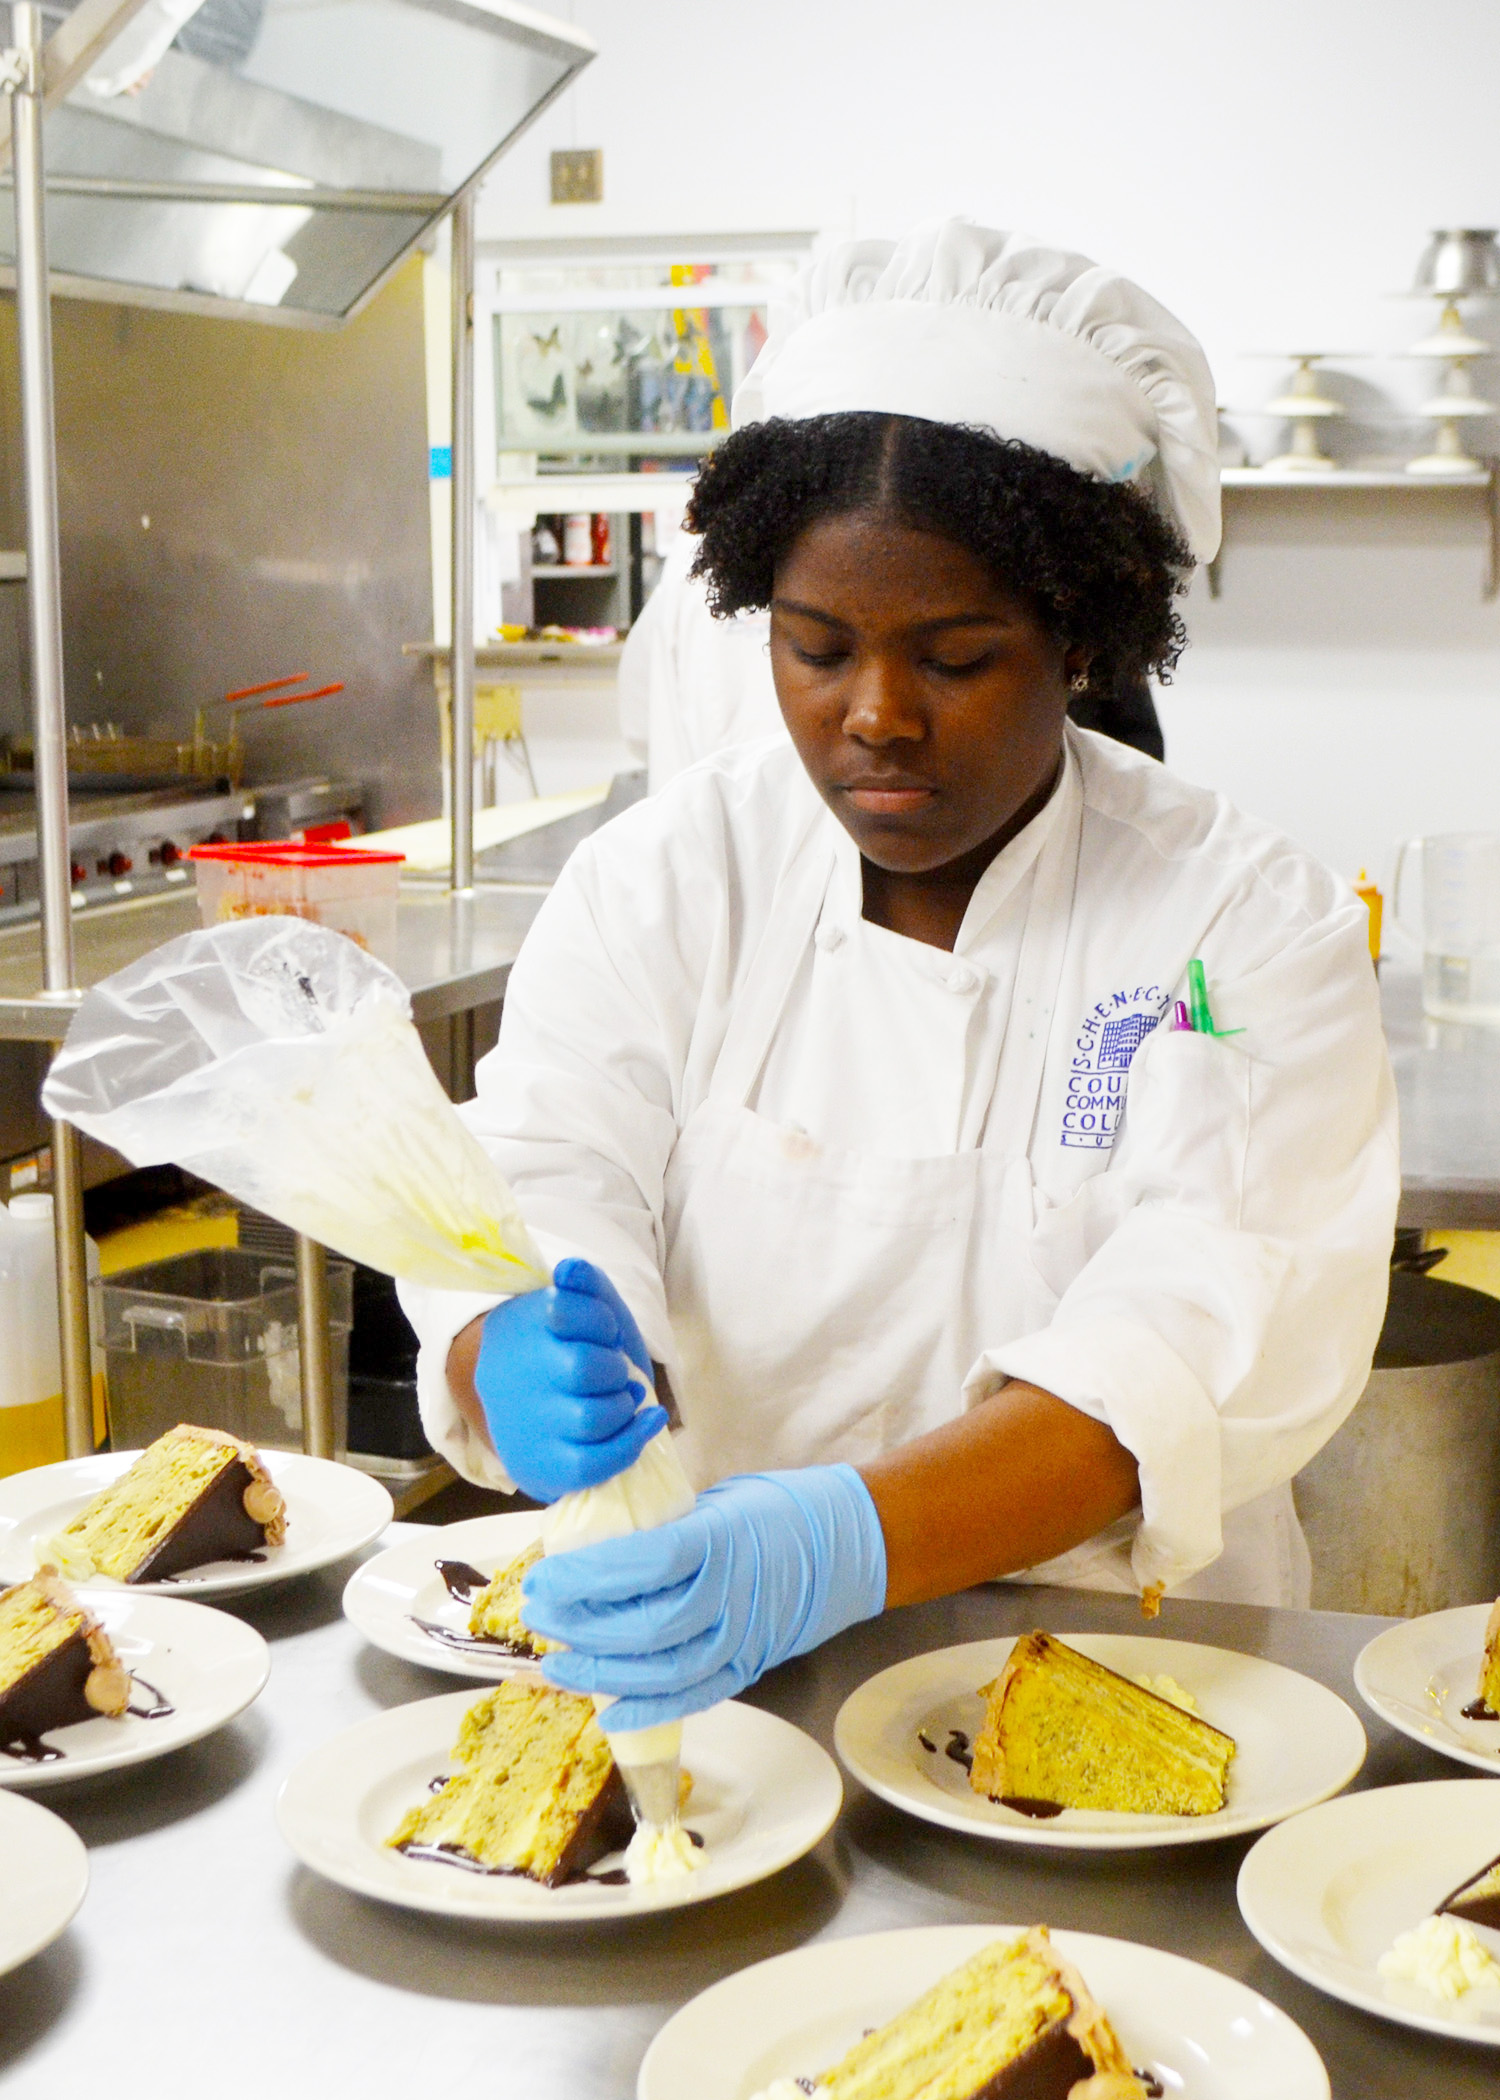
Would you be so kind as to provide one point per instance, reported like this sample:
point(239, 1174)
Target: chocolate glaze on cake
point(77, 1679)
point(215, 1528)
point(1048, 2070)
point(50, 1695)
point(1477, 1910)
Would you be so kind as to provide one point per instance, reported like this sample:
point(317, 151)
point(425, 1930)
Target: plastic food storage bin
point(352, 891)
point(211, 1338)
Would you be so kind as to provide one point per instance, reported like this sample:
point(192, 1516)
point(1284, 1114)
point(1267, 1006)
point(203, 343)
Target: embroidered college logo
point(1108, 1037)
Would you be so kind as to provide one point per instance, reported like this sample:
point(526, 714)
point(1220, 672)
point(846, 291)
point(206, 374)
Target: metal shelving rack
point(35, 74)
point(1336, 480)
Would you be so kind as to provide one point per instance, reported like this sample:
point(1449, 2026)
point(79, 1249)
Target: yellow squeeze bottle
point(31, 1402)
point(1375, 906)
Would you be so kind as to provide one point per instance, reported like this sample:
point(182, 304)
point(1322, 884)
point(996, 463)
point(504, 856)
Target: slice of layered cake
point(496, 1612)
point(57, 1665)
point(1486, 1706)
point(194, 1496)
point(1476, 1900)
point(1062, 1731)
point(1017, 2022)
point(536, 1791)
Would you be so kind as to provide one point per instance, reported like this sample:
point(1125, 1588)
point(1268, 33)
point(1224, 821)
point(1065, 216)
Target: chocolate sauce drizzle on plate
point(958, 1749)
point(160, 1705)
point(462, 1582)
point(927, 1743)
point(1477, 1710)
point(455, 1856)
point(1031, 1805)
point(483, 1643)
point(31, 1750)
point(1154, 2088)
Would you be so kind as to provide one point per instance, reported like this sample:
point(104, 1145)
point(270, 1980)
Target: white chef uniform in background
point(690, 685)
point(850, 1183)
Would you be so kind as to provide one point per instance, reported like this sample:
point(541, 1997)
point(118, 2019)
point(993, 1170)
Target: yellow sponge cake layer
point(536, 1791)
point(193, 1496)
point(496, 1613)
point(1016, 2019)
point(1062, 1730)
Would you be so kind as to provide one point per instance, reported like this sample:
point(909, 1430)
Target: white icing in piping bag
point(655, 1490)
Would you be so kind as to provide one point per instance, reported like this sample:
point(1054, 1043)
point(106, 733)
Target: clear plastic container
point(211, 1338)
point(352, 891)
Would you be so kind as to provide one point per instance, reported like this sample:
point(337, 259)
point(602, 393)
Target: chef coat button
point(830, 937)
point(962, 979)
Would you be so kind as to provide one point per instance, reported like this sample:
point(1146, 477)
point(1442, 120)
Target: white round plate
point(392, 1597)
point(1297, 1742)
point(1205, 2036)
point(763, 1794)
point(1420, 1675)
point(205, 1665)
point(1328, 1893)
point(332, 1511)
point(45, 1876)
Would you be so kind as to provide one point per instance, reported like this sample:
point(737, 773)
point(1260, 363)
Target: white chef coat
point(1200, 1256)
point(690, 685)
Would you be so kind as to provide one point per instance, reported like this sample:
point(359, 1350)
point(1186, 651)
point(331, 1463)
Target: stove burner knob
point(170, 853)
point(119, 863)
point(216, 838)
point(80, 872)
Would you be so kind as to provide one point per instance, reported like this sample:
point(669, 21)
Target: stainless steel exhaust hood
point(275, 159)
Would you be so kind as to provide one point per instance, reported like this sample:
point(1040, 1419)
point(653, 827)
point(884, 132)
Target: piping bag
point(277, 1059)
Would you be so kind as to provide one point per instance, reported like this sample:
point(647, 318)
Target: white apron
point(828, 1304)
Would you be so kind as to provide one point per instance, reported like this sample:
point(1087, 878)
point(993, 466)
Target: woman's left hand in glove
point(671, 1621)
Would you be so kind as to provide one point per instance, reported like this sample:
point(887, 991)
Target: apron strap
point(796, 907)
point(1039, 970)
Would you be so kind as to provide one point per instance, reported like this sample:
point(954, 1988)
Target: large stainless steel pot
point(1402, 1507)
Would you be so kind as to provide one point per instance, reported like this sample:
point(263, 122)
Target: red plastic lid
point(280, 853)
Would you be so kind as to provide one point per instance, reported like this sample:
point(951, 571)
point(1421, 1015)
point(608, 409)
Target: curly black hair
point(1097, 562)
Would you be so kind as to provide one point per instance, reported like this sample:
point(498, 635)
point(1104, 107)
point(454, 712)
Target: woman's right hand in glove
point(553, 1377)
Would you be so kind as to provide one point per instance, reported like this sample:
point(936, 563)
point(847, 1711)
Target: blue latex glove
point(553, 1380)
point(674, 1620)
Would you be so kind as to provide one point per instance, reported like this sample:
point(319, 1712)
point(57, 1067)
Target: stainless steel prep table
point(205, 1960)
point(453, 953)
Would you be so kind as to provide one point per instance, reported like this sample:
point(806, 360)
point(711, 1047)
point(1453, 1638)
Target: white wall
point(1270, 170)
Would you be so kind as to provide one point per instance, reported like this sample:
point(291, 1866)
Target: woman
point(838, 1067)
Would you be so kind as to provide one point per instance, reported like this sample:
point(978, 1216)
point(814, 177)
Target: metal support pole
point(314, 1353)
point(462, 681)
point(461, 1055)
point(39, 449)
point(72, 1291)
point(22, 73)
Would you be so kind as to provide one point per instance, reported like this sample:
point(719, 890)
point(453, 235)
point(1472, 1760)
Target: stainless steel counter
point(452, 953)
point(1448, 1083)
point(205, 1959)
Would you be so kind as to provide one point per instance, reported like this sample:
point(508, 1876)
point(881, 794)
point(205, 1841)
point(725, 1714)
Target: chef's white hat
point(959, 323)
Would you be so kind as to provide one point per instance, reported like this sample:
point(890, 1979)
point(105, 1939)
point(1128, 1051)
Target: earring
point(1079, 682)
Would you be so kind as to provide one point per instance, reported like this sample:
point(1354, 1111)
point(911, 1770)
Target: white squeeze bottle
point(31, 1403)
